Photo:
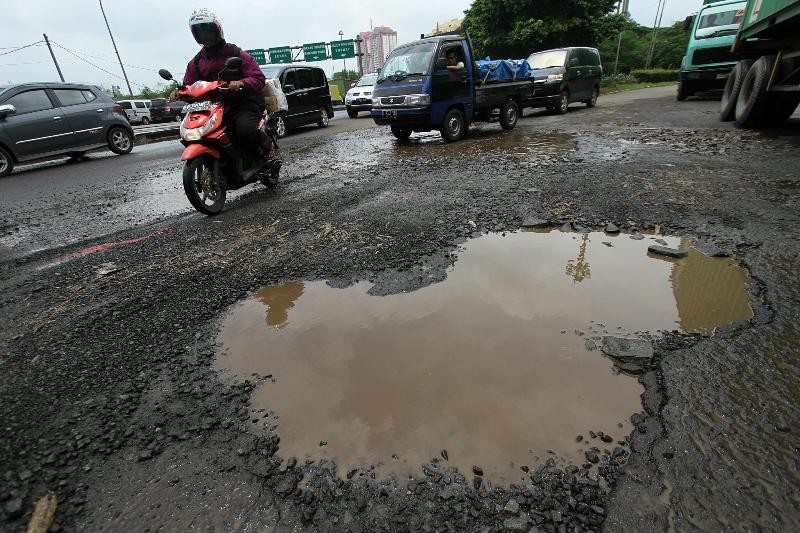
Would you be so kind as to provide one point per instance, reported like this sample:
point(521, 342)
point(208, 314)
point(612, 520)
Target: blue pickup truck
point(419, 89)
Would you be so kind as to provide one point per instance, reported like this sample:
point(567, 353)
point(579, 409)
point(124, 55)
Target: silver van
point(138, 111)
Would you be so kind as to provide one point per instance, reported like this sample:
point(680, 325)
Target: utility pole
point(46, 40)
point(623, 7)
point(130, 91)
point(344, 61)
point(659, 15)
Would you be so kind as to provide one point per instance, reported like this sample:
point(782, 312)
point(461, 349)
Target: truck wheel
point(752, 104)
point(563, 104)
point(352, 113)
point(400, 133)
point(733, 86)
point(509, 114)
point(453, 126)
point(684, 91)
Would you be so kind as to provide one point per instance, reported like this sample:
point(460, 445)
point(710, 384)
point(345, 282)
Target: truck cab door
point(451, 87)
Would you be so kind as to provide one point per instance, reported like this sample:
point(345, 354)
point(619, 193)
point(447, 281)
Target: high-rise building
point(377, 46)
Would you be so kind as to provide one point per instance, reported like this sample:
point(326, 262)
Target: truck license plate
point(390, 113)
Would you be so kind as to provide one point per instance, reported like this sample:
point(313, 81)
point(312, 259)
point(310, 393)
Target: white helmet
point(206, 28)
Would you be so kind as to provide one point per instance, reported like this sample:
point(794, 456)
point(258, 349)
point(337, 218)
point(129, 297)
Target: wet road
point(59, 202)
point(127, 392)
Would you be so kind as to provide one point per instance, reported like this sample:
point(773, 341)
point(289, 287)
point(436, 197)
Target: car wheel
point(591, 102)
point(178, 118)
point(145, 121)
point(453, 127)
point(401, 134)
point(120, 140)
point(6, 162)
point(733, 86)
point(352, 113)
point(563, 103)
point(280, 125)
point(752, 105)
point(324, 120)
point(509, 114)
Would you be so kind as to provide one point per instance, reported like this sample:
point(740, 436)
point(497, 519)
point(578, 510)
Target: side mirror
point(288, 88)
point(573, 62)
point(6, 110)
point(687, 23)
point(164, 73)
point(353, 84)
point(233, 63)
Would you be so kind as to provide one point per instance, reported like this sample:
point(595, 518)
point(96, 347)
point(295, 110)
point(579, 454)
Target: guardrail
point(155, 128)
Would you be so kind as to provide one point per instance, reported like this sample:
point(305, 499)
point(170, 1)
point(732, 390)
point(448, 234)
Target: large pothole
point(494, 366)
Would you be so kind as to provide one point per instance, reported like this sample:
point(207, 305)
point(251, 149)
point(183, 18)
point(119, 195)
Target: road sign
point(343, 49)
point(282, 54)
point(258, 55)
point(315, 52)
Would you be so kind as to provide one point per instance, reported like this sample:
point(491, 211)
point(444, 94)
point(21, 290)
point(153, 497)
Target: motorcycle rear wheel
point(205, 190)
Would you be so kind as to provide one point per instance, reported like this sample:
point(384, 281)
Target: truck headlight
point(418, 100)
point(555, 77)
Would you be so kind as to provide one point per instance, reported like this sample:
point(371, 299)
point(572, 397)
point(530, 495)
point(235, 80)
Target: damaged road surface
point(380, 346)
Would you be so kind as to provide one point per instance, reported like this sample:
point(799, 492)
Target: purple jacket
point(212, 62)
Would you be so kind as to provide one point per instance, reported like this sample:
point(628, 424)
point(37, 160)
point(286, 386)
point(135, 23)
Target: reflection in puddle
point(490, 365)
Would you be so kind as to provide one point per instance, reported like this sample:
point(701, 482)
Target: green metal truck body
point(768, 16)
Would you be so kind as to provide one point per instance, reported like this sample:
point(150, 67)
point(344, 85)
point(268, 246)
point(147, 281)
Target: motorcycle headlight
point(195, 134)
point(555, 77)
point(418, 100)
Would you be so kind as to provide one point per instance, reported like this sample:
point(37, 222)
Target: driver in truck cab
point(453, 64)
point(245, 106)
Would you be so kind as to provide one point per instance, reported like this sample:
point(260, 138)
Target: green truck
point(763, 89)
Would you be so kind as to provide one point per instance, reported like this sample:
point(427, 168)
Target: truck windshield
point(719, 20)
point(414, 59)
point(551, 58)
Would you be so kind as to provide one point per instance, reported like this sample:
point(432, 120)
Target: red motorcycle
point(213, 163)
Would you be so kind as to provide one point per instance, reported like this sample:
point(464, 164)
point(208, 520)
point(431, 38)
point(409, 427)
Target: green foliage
point(670, 46)
point(655, 75)
point(517, 28)
point(346, 75)
point(619, 79)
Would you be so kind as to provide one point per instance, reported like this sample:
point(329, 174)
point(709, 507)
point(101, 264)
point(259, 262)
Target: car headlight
point(195, 134)
point(376, 102)
point(367, 94)
point(417, 100)
point(555, 77)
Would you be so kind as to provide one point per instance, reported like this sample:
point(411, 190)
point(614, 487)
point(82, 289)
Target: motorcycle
point(214, 165)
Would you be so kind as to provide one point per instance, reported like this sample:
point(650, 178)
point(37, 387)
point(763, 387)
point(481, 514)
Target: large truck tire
point(780, 107)
point(752, 105)
point(727, 111)
point(685, 90)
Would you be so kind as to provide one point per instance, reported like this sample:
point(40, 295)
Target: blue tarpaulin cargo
point(503, 69)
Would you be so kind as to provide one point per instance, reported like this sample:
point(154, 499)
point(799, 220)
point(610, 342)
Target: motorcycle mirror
point(233, 63)
point(164, 73)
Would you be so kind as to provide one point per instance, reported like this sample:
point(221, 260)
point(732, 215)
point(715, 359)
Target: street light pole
point(130, 91)
point(344, 61)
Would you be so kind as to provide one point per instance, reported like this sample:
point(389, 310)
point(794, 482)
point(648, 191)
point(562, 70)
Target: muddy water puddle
point(490, 365)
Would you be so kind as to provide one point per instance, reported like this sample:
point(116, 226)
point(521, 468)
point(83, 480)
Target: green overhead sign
point(281, 54)
point(258, 55)
point(315, 52)
point(343, 49)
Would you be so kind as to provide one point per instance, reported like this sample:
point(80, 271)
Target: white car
point(359, 97)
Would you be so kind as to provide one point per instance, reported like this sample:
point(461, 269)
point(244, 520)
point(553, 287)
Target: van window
point(89, 95)
point(304, 80)
point(30, 101)
point(290, 78)
point(126, 105)
point(69, 97)
point(548, 59)
point(140, 105)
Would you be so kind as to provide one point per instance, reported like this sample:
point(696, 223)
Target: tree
point(516, 28)
point(346, 75)
point(670, 47)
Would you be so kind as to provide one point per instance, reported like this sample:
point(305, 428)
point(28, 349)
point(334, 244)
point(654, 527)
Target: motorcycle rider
point(244, 107)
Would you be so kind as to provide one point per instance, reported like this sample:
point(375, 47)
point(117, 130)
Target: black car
point(307, 94)
point(39, 120)
point(565, 75)
point(163, 110)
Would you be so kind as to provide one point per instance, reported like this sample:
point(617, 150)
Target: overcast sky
point(154, 34)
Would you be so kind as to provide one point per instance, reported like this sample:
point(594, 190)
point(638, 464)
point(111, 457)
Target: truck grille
point(393, 100)
point(707, 56)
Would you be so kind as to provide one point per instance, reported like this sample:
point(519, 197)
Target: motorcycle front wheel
point(203, 186)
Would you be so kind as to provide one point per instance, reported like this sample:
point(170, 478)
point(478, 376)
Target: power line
point(37, 43)
point(86, 54)
point(95, 66)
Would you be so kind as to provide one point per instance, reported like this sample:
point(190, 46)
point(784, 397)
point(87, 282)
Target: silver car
point(40, 120)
